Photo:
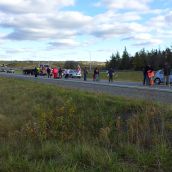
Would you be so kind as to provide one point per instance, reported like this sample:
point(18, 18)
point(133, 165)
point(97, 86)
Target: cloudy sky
point(82, 29)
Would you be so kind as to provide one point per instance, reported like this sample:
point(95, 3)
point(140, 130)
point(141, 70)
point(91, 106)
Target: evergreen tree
point(156, 58)
point(125, 61)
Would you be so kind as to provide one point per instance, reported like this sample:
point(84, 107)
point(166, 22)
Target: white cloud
point(143, 39)
point(126, 4)
point(34, 26)
point(46, 20)
point(33, 6)
point(63, 43)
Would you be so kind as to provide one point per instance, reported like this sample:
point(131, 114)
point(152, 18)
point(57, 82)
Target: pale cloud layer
point(123, 4)
point(60, 24)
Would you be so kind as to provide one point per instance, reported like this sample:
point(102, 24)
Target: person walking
point(85, 74)
point(166, 70)
point(110, 74)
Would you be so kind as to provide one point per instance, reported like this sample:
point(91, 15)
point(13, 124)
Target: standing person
point(49, 72)
point(67, 73)
point(151, 75)
point(36, 72)
point(85, 74)
point(78, 70)
point(60, 72)
point(96, 74)
point(145, 75)
point(55, 72)
point(110, 74)
point(166, 70)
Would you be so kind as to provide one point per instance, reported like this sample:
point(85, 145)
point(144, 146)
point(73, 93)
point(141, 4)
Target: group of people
point(148, 75)
point(55, 72)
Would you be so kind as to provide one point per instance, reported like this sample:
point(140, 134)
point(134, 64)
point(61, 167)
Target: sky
point(82, 30)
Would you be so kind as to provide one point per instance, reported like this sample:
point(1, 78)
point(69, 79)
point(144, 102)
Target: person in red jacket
point(151, 75)
point(55, 72)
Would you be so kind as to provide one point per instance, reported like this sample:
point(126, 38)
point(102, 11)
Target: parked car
point(10, 71)
point(72, 73)
point(2, 70)
point(159, 77)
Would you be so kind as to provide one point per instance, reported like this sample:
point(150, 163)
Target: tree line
point(156, 58)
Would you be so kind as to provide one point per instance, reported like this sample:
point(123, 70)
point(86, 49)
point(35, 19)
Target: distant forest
point(155, 58)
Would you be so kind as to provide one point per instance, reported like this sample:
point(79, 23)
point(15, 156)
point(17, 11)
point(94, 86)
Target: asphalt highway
point(131, 90)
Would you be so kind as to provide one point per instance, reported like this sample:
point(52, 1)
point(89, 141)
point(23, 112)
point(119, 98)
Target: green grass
point(48, 128)
point(134, 76)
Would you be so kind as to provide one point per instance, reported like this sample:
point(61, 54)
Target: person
point(145, 75)
point(96, 74)
point(55, 72)
point(110, 74)
point(60, 72)
point(67, 73)
point(49, 72)
point(150, 74)
point(78, 70)
point(85, 74)
point(166, 70)
point(36, 72)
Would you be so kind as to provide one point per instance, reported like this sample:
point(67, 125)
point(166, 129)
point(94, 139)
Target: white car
point(159, 77)
point(10, 71)
point(72, 73)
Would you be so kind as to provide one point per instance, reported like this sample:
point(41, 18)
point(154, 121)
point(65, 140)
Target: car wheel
point(157, 81)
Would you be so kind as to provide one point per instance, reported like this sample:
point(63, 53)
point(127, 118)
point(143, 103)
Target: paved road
point(133, 90)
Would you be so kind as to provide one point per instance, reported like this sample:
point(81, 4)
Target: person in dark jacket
point(85, 74)
point(110, 74)
point(60, 72)
point(96, 74)
point(36, 72)
point(145, 75)
point(49, 72)
point(166, 70)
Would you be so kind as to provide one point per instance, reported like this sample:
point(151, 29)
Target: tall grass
point(48, 128)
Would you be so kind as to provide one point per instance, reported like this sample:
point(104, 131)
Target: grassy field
point(134, 76)
point(50, 129)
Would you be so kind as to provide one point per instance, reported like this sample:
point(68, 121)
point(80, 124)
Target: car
point(72, 73)
point(2, 70)
point(10, 71)
point(159, 77)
